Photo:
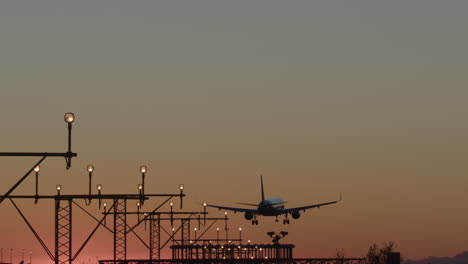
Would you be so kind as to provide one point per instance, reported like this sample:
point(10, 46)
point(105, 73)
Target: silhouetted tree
point(376, 255)
point(339, 257)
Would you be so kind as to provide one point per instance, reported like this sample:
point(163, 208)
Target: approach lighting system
point(181, 188)
point(36, 170)
point(69, 117)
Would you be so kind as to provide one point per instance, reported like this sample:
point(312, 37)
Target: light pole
point(204, 212)
point(58, 188)
point(225, 224)
point(99, 188)
point(240, 235)
point(143, 170)
point(90, 169)
point(36, 171)
point(69, 118)
point(181, 188)
point(217, 235)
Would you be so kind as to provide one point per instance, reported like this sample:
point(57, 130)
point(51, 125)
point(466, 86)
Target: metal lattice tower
point(185, 239)
point(120, 229)
point(63, 231)
point(155, 237)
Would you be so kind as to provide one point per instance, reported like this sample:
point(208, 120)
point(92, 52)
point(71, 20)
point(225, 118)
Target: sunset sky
point(366, 98)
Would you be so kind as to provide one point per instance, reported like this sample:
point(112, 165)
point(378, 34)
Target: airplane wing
point(234, 209)
point(303, 208)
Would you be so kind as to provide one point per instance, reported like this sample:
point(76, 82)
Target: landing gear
point(286, 222)
point(276, 220)
point(255, 222)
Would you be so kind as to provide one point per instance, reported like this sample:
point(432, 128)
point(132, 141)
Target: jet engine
point(295, 214)
point(248, 215)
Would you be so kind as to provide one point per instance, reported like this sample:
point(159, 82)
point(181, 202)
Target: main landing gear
point(255, 222)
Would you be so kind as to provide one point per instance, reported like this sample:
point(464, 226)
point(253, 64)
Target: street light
point(36, 170)
point(143, 170)
point(99, 188)
point(69, 119)
point(90, 169)
point(172, 213)
point(181, 188)
point(204, 212)
point(240, 235)
point(105, 213)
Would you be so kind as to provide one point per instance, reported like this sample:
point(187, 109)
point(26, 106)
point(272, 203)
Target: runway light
point(90, 168)
point(69, 118)
point(143, 169)
point(99, 187)
point(37, 168)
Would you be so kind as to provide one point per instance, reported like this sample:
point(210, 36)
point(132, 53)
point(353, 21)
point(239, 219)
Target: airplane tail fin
point(261, 183)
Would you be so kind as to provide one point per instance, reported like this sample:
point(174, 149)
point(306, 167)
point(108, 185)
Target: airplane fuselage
point(271, 207)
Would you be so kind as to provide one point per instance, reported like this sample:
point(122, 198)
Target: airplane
point(270, 207)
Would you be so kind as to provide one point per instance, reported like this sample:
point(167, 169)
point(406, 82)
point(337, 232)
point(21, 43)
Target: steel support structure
point(185, 234)
point(63, 231)
point(120, 229)
point(155, 237)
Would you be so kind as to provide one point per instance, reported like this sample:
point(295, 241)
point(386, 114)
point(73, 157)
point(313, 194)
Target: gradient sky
point(367, 98)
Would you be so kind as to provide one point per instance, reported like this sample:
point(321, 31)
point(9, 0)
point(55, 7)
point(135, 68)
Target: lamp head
point(143, 169)
point(181, 187)
point(204, 204)
point(240, 228)
point(58, 187)
point(140, 187)
point(90, 168)
point(171, 204)
point(69, 118)
point(37, 168)
point(99, 187)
